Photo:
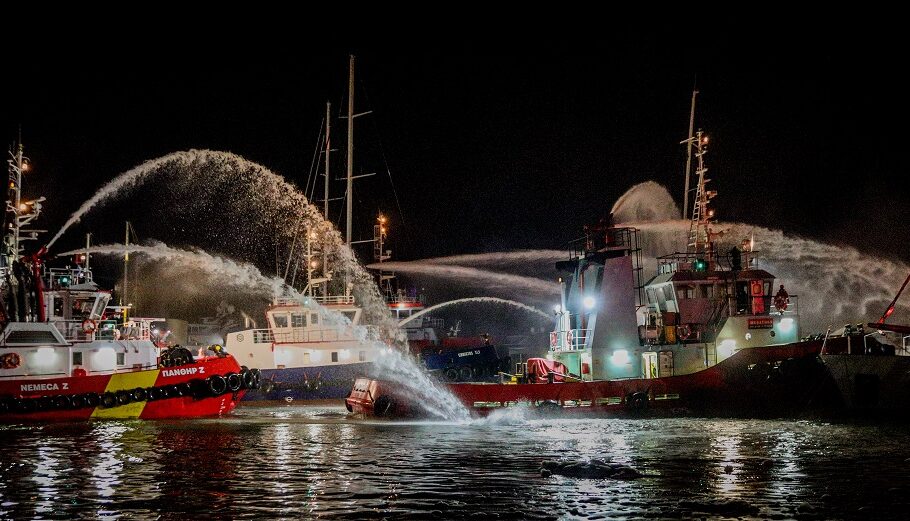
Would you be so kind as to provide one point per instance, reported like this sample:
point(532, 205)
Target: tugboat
point(700, 336)
point(871, 371)
point(56, 363)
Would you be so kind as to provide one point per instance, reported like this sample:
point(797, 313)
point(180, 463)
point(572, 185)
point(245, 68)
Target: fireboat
point(705, 334)
point(63, 358)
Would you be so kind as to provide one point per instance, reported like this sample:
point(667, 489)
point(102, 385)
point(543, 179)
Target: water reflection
point(293, 462)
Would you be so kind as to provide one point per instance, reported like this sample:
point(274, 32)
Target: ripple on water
point(315, 462)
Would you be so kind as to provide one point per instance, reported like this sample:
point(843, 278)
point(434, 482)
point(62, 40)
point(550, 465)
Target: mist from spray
point(482, 300)
point(265, 195)
point(504, 258)
point(393, 364)
point(417, 385)
point(490, 279)
point(836, 285)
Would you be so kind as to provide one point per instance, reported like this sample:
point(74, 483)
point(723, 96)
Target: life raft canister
point(88, 326)
point(683, 332)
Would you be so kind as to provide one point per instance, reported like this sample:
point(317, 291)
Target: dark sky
point(496, 143)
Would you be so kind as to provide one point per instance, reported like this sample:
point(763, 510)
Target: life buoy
point(79, 371)
point(683, 332)
point(10, 361)
point(89, 326)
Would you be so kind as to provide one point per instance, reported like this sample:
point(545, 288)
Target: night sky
point(494, 143)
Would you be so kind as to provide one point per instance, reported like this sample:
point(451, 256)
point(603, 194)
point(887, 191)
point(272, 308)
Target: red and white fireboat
point(701, 335)
point(61, 358)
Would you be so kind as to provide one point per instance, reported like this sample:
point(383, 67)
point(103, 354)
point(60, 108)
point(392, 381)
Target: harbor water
point(318, 463)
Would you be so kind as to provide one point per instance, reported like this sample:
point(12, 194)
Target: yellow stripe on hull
point(126, 382)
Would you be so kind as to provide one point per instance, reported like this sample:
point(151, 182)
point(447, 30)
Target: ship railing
point(324, 300)
point(263, 336)
point(402, 299)
point(62, 278)
point(337, 334)
point(433, 322)
point(569, 340)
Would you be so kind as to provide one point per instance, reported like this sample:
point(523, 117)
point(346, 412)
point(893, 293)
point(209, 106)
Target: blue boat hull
point(308, 383)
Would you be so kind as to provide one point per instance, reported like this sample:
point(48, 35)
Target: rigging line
point(307, 190)
point(385, 162)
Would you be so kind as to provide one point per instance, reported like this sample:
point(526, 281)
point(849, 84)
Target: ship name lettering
point(183, 371)
point(40, 387)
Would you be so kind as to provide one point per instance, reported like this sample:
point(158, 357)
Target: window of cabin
point(314, 319)
point(121, 358)
point(668, 292)
point(297, 320)
point(350, 314)
point(707, 290)
point(306, 358)
point(77, 357)
point(652, 298)
point(334, 356)
point(362, 356)
point(281, 320)
point(688, 291)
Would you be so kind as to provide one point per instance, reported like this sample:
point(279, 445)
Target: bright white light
point(105, 359)
point(748, 336)
point(620, 357)
point(589, 302)
point(155, 331)
point(45, 356)
point(786, 325)
point(726, 348)
point(557, 309)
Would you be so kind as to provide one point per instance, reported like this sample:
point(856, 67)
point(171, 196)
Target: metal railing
point(571, 340)
point(306, 335)
point(329, 299)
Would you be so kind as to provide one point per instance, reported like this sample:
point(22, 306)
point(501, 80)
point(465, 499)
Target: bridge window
point(281, 320)
point(314, 319)
point(707, 291)
point(334, 356)
point(668, 293)
point(685, 292)
point(297, 320)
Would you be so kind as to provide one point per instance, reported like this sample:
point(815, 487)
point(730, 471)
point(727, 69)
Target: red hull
point(189, 400)
point(736, 384)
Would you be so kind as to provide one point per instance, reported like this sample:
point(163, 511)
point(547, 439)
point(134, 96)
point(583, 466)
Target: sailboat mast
point(328, 150)
point(124, 301)
point(350, 166)
point(689, 144)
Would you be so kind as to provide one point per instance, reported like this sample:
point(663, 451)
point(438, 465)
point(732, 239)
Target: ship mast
point(689, 144)
point(700, 241)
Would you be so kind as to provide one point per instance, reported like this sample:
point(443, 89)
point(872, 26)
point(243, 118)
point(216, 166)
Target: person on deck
point(781, 299)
